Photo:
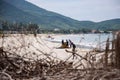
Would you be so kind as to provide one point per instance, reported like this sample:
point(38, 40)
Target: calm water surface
point(84, 40)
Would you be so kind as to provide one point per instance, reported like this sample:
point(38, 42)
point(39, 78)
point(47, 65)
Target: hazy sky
point(94, 10)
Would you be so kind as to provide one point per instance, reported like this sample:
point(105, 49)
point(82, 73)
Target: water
point(85, 40)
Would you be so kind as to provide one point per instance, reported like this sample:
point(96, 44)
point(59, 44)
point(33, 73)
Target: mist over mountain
point(25, 12)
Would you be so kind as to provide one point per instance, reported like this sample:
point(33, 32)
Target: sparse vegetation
point(16, 66)
point(23, 53)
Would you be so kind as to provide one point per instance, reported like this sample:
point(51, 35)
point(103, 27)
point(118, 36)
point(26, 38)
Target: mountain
point(10, 13)
point(12, 10)
point(113, 24)
point(23, 11)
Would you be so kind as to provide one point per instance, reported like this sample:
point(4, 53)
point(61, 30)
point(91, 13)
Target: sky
point(92, 10)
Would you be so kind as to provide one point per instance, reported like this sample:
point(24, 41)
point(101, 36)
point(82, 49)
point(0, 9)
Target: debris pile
point(100, 65)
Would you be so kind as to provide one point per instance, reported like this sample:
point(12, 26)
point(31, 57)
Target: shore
point(34, 57)
point(38, 47)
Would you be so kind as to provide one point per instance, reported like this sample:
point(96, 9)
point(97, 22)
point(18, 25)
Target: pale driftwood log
point(84, 58)
point(107, 74)
point(5, 74)
point(117, 51)
point(106, 53)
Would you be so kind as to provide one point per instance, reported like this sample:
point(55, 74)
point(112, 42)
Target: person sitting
point(64, 44)
point(70, 43)
point(67, 43)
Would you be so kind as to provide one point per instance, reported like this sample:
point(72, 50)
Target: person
point(62, 42)
point(70, 43)
point(73, 49)
point(74, 46)
point(67, 43)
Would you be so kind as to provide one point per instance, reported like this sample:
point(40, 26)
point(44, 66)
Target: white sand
point(37, 47)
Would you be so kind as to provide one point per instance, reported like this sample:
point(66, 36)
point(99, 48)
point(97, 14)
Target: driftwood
point(117, 50)
point(5, 76)
point(14, 66)
point(106, 53)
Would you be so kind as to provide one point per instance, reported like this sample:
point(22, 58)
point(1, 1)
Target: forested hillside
point(21, 11)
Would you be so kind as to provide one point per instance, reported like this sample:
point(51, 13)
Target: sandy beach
point(29, 52)
point(39, 47)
